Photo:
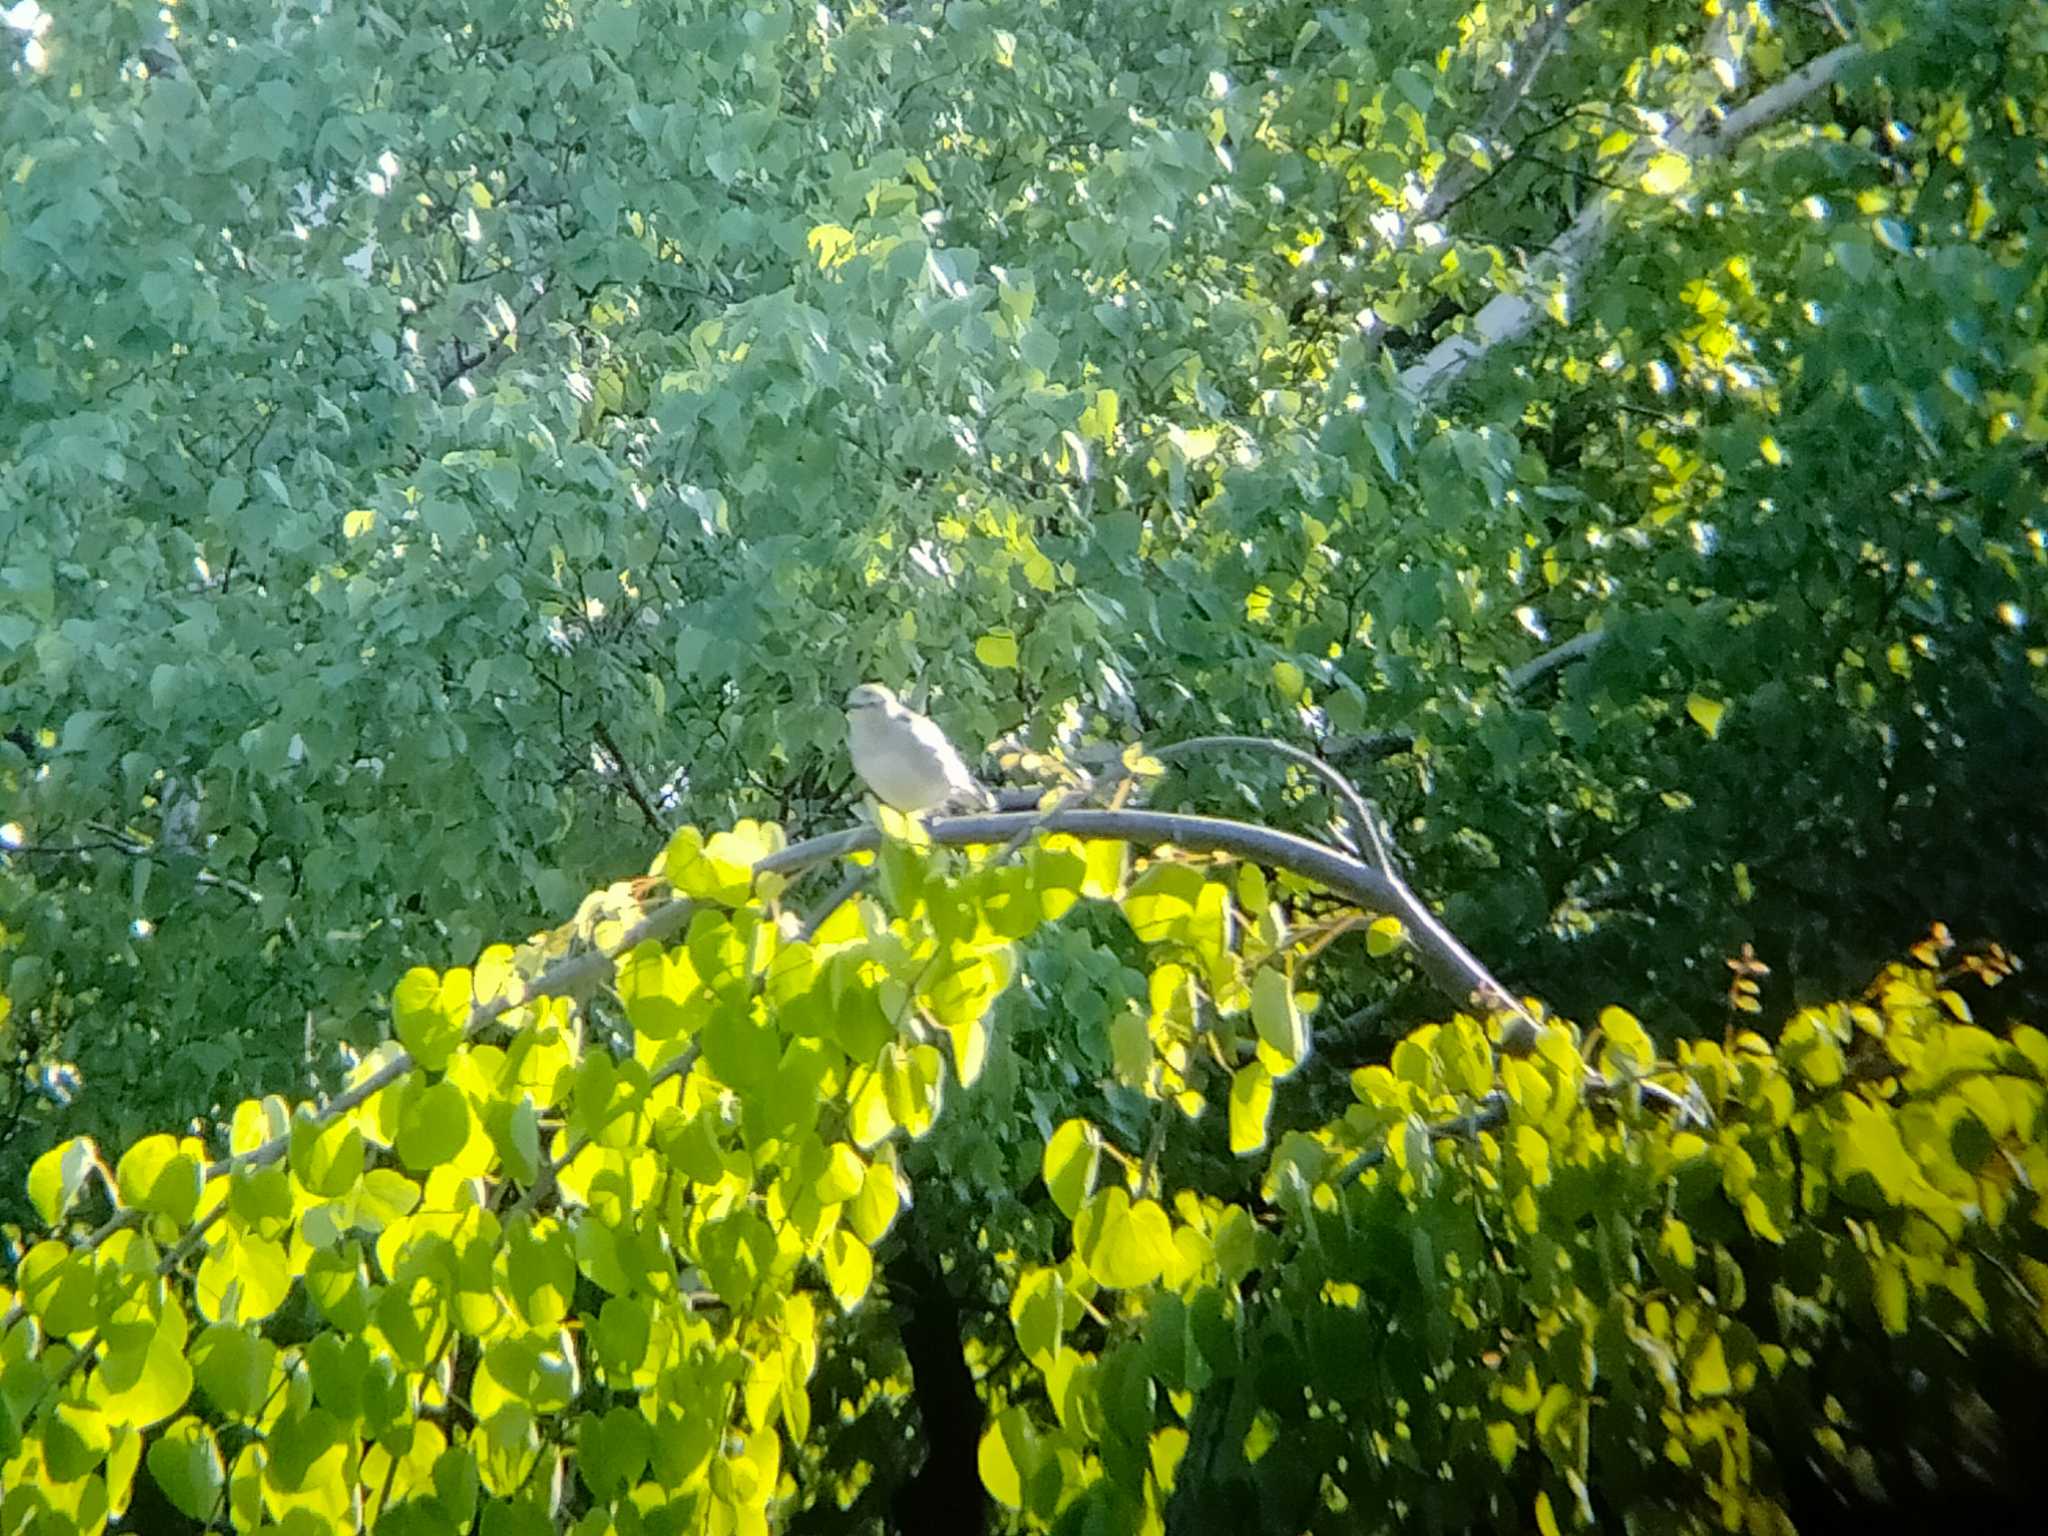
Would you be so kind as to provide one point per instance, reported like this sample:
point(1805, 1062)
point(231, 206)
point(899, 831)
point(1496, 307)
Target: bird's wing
point(933, 740)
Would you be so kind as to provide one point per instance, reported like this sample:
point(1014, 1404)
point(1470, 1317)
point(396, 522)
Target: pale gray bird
point(904, 758)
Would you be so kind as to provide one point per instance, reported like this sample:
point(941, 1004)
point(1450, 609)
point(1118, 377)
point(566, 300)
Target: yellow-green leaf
point(871, 1212)
point(144, 1377)
point(1277, 1019)
point(56, 1177)
point(1072, 1155)
point(654, 984)
point(243, 1279)
point(429, 1013)
point(1666, 173)
point(997, 650)
point(1099, 419)
point(1502, 1440)
point(433, 1124)
point(1008, 1453)
point(849, 1268)
point(1124, 1245)
point(1707, 1371)
point(831, 244)
point(1251, 1103)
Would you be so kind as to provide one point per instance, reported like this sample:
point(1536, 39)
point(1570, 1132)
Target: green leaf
point(429, 1013)
point(55, 1178)
point(1072, 1155)
point(234, 1367)
point(997, 650)
point(75, 1440)
point(338, 1287)
point(612, 1451)
point(185, 1461)
point(1415, 87)
point(515, 1132)
point(327, 1160)
point(540, 1272)
point(433, 1124)
point(1251, 1104)
point(624, 1330)
point(1124, 1245)
point(1855, 258)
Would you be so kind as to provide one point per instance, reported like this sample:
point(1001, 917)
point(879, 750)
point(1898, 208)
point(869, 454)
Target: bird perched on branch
point(904, 758)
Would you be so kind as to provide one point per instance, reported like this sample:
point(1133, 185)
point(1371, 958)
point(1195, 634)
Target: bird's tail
point(970, 797)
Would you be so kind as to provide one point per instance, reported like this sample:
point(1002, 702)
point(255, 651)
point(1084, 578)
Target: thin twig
point(627, 780)
point(134, 848)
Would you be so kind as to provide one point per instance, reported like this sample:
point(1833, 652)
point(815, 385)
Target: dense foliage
point(445, 447)
point(424, 437)
point(556, 1264)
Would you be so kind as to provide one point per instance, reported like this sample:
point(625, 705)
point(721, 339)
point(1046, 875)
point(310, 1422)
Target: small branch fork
point(1714, 132)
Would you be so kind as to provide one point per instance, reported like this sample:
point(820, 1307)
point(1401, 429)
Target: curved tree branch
point(1365, 821)
point(1454, 969)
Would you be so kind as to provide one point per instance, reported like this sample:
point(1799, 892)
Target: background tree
point(438, 450)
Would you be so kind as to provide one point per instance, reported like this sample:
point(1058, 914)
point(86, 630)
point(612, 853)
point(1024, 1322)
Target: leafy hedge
point(593, 1243)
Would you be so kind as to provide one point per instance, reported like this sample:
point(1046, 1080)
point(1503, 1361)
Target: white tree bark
point(1712, 133)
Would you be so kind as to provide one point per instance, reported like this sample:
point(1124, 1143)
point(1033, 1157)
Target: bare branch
point(1720, 136)
point(1373, 746)
point(111, 841)
point(1521, 678)
point(1453, 969)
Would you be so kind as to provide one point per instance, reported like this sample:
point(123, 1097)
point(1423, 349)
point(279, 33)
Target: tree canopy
point(446, 448)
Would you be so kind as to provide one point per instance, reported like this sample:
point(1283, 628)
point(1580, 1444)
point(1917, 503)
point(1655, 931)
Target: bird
point(904, 758)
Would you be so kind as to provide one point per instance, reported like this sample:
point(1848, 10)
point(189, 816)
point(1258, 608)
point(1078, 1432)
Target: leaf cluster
point(584, 1258)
